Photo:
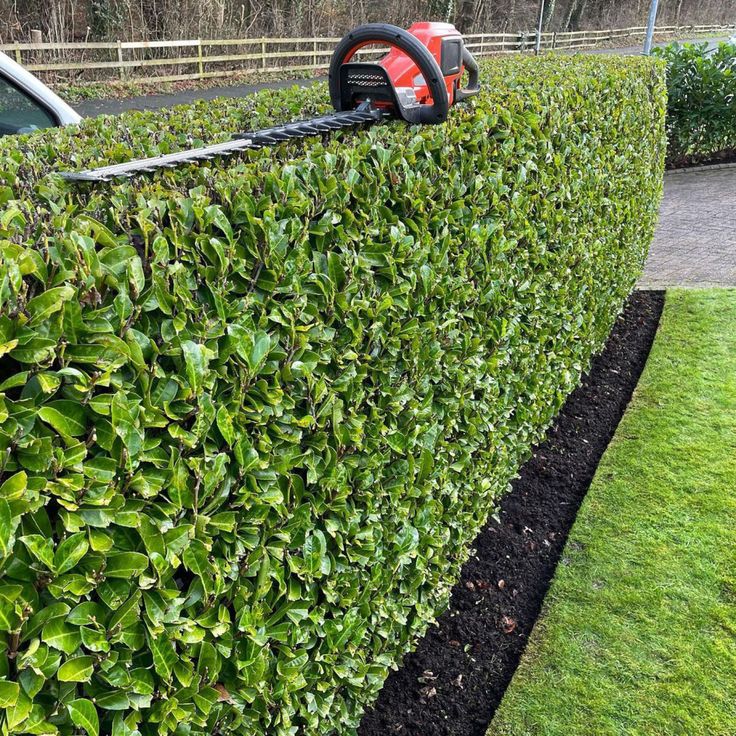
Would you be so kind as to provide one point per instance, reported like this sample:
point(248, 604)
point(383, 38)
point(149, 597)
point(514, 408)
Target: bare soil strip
point(452, 684)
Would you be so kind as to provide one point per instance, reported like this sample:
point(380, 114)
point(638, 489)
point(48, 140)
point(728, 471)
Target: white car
point(27, 104)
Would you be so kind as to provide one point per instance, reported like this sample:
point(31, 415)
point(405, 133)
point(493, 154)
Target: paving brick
point(695, 241)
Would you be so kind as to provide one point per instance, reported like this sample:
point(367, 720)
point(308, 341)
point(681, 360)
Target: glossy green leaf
point(16, 715)
point(52, 300)
point(70, 552)
point(9, 692)
point(259, 350)
point(14, 487)
point(62, 636)
point(66, 417)
point(87, 612)
point(195, 558)
point(115, 700)
point(6, 528)
point(315, 553)
point(41, 549)
point(195, 359)
point(78, 669)
point(125, 564)
point(164, 655)
point(84, 715)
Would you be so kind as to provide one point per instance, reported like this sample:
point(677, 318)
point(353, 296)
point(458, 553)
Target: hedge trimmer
point(418, 80)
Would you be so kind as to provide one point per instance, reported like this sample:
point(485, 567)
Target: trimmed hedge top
point(252, 413)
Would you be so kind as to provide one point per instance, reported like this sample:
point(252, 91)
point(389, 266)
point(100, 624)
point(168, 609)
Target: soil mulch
point(727, 156)
point(452, 684)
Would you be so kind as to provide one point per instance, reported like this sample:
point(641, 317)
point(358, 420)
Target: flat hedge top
point(253, 412)
point(136, 134)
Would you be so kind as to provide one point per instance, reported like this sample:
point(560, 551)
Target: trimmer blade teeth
point(241, 141)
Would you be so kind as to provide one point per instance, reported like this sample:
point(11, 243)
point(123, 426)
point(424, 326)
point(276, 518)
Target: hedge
point(254, 412)
point(701, 106)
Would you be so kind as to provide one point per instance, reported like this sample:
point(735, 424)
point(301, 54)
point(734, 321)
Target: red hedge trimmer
point(418, 80)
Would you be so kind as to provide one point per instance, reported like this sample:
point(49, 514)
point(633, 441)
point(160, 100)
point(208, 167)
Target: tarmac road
point(91, 108)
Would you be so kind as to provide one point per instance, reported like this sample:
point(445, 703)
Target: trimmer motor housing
point(419, 78)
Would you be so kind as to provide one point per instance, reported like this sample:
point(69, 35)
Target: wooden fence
point(203, 58)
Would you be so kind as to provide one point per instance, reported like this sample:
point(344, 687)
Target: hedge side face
point(253, 413)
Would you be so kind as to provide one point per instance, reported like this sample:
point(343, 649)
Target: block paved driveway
point(695, 241)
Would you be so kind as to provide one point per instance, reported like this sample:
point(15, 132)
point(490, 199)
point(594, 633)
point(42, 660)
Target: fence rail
point(97, 60)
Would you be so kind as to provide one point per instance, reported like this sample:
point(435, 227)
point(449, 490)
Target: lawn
point(638, 632)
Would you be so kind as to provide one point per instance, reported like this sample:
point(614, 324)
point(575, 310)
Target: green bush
point(252, 413)
point(701, 108)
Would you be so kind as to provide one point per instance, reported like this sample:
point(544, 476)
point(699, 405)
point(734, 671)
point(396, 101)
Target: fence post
point(554, 40)
point(263, 53)
point(200, 62)
point(314, 52)
point(17, 54)
point(522, 41)
point(121, 68)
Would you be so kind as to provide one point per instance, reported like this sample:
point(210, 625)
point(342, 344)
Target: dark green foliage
point(254, 412)
point(701, 107)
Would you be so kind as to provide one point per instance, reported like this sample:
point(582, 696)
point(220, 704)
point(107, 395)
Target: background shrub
point(701, 107)
point(252, 413)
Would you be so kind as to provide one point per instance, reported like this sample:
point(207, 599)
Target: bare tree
point(549, 13)
point(465, 15)
point(157, 19)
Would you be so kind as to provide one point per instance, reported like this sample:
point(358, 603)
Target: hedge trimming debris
point(253, 413)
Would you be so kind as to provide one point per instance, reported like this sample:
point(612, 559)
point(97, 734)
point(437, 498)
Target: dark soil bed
point(685, 162)
point(452, 684)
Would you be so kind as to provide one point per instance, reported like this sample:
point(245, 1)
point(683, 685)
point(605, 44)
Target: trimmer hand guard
point(419, 78)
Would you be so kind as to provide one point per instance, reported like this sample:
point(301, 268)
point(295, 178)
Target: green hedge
point(253, 413)
point(701, 106)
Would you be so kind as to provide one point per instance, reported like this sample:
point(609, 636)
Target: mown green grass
point(638, 634)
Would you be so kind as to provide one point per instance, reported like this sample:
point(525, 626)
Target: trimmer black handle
point(471, 67)
point(404, 41)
